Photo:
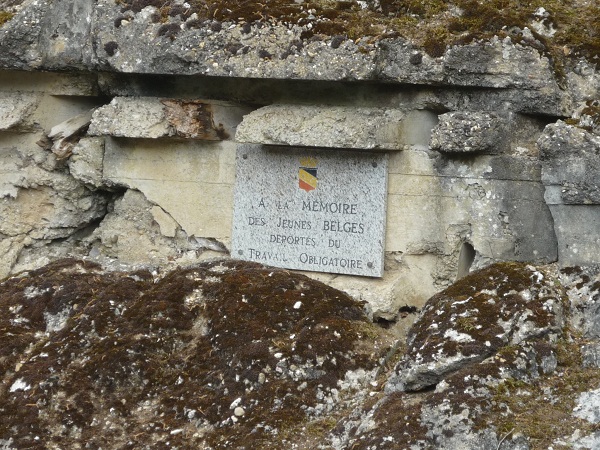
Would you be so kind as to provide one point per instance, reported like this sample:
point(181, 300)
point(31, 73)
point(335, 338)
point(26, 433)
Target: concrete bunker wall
point(131, 169)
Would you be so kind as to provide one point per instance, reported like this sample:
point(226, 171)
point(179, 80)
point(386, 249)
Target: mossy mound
point(534, 393)
point(222, 355)
point(503, 304)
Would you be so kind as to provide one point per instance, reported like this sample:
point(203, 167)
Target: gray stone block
point(86, 162)
point(130, 117)
point(499, 64)
point(577, 230)
point(570, 158)
point(471, 132)
point(336, 127)
point(570, 164)
point(65, 40)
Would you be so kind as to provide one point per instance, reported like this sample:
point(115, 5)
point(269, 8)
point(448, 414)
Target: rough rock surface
point(457, 328)
point(153, 118)
point(170, 39)
point(236, 355)
point(459, 132)
point(570, 156)
point(337, 127)
point(40, 205)
point(536, 392)
point(583, 289)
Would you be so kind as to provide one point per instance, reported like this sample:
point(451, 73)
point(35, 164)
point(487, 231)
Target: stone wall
point(126, 154)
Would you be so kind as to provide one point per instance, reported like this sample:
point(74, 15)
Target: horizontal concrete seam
point(113, 178)
point(390, 174)
point(456, 197)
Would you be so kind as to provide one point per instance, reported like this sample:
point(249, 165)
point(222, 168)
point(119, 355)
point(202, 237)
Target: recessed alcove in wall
point(465, 260)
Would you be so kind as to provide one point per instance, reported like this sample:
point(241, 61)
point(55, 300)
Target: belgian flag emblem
point(307, 175)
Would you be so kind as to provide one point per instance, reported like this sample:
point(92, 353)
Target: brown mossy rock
point(504, 304)
point(227, 354)
point(472, 408)
point(519, 392)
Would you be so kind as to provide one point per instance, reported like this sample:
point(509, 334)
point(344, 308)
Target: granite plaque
point(310, 209)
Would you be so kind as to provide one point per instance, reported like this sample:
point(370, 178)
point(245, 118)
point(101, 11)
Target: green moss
point(466, 324)
point(436, 41)
point(543, 410)
point(5, 16)
point(568, 354)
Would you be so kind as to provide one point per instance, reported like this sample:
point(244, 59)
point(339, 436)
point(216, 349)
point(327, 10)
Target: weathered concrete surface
point(40, 204)
point(336, 127)
point(192, 182)
point(491, 64)
point(570, 157)
point(86, 161)
point(44, 36)
point(264, 51)
point(130, 117)
point(15, 109)
point(408, 281)
point(443, 202)
point(29, 111)
point(64, 84)
point(132, 235)
point(65, 37)
point(487, 202)
point(19, 38)
point(38, 215)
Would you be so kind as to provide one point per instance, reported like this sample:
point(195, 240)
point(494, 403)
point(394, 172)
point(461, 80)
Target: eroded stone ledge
point(151, 117)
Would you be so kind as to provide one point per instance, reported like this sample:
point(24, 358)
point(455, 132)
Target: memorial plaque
point(310, 209)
